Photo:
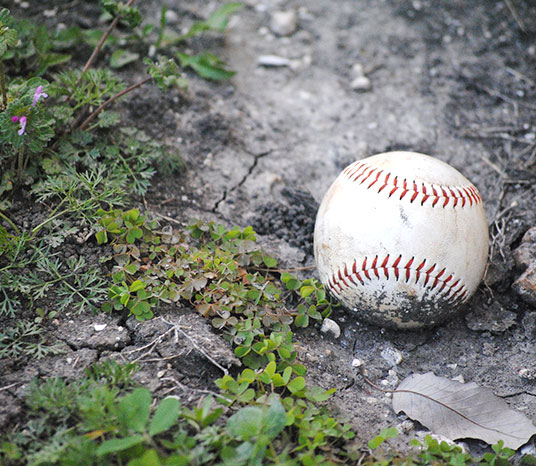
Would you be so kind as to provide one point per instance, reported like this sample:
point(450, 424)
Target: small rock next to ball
point(401, 239)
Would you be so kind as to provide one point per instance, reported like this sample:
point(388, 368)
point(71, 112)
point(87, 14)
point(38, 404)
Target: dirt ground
point(453, 79)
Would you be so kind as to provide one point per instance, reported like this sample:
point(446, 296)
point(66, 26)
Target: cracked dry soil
point(453, 79)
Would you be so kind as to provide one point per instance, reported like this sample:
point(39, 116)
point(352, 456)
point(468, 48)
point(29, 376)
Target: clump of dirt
point(293, 222)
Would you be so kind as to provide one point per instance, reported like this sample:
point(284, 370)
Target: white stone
point(172, 17)
point(392, 356)
point(406, 426)
point(99, 327)
point(361, 83)
point(273, 60)
point(357, 70)
point(357, 362)
point(283, 23)
point(330, 326)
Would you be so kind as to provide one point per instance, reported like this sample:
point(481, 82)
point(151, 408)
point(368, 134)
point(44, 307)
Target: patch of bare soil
point(453, 79)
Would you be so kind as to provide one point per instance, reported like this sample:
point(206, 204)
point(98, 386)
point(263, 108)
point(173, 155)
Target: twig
point(494, 93)
point(7, 387)
point(521, 76)
point(532, 156)
point(371, 383)
point(167, 358)
point(112, 99)
point(3, 86)
point(98, 48)
point(155, 341)
point(495, 167)
point(194, 344)
point(516, 16)
point(169, 219)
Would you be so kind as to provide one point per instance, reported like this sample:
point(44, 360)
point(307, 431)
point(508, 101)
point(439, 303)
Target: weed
point(58, 135)
point(26, 338)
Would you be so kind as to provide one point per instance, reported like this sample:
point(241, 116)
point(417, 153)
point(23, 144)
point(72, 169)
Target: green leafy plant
point(59, 135)
point(256, 427)
point(500, 455)
point(219, 271)
point(26, 338)
point(385, 434)
point(8, 40)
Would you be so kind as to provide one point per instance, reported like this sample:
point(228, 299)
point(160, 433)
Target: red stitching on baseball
point(451, 289)
point(442, 195)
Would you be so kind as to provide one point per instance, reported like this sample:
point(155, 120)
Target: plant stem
point(98, 48)
point(111, 99)
point(52, 216)
point(8, 220)
point(20, 163)
point(3, 86)
point(48, 220)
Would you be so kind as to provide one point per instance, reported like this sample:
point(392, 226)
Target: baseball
point(401, 239)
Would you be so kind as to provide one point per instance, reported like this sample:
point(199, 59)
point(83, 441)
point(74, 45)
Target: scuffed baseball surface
point(401, 238)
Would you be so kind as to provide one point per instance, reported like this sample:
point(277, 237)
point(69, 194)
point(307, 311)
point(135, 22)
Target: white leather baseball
point(401, 238)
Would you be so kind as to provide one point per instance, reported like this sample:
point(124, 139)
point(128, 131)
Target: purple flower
point(22, 120)
point(14, 119)
point(38, 94)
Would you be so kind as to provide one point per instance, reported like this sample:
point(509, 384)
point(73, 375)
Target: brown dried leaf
point(456, 410)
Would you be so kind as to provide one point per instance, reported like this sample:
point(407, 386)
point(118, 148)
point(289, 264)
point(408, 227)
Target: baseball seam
point(433, 277)
point(371, 176)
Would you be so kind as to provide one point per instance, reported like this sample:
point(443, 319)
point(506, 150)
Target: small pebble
point(406, 426)
point(172, 17)
point(361, 83)
point(273, 61)
point(459, 378)
point(392, 356)
point(526, 374)
point(525, 285)
point(357, 362)
point(330, 326)
point(284, 23)
point(357, 70)
point(99, 327)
